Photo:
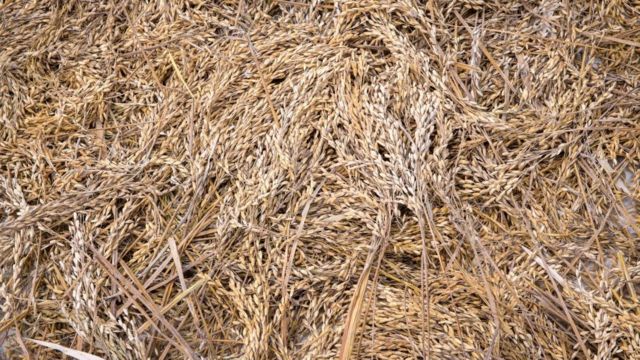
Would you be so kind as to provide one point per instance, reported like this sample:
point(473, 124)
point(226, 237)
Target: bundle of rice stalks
point(351, 179)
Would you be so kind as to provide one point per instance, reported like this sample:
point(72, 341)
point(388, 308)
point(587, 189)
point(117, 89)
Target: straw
point(350, 179)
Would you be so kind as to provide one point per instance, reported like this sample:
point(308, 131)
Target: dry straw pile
point(316, 180)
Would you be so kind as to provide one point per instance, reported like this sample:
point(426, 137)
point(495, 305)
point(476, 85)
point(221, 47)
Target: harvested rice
point(351, 179)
